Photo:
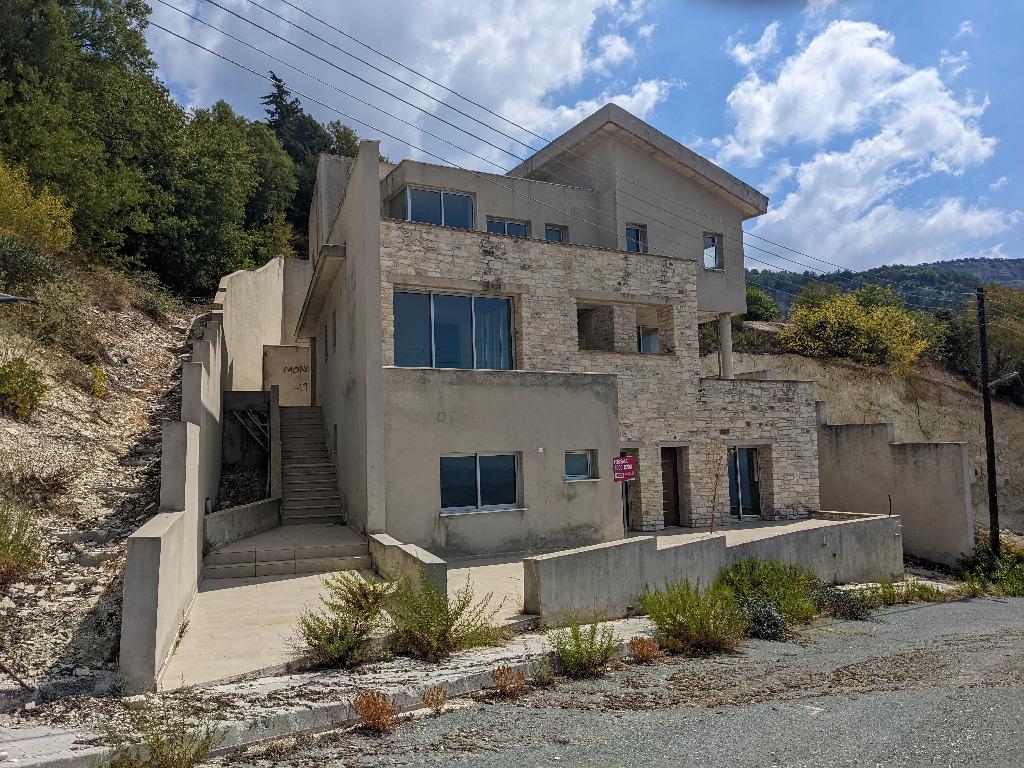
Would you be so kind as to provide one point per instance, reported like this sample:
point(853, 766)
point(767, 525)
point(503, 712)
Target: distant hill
point(941, 284)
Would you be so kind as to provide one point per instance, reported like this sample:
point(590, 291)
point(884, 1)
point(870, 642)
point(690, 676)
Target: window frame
point(641, 238)
point(591, 464)
point(505, 222)
point(472, 305)
point(407, 194)
point(560, 228)
point(517, 464)
point(640, 338)
point(719, 252)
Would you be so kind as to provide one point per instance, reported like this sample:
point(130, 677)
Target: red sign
point(624, 468)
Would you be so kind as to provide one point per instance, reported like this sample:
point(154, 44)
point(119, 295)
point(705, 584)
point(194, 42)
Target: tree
point(760, 306)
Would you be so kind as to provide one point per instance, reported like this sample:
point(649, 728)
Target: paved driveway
point(924, 685)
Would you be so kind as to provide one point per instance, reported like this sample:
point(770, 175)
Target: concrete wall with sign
point(289, 368)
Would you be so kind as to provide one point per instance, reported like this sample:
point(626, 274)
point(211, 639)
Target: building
point(483, 346)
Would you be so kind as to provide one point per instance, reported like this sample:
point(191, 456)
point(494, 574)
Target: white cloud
point(646, 30)
point(887, 125)
point(818, 7)
point(746, 55)
point(966, 29)
point(954, 63)
point(999, 183)
point(612, 50)
point(782, 171)
point(512, 55)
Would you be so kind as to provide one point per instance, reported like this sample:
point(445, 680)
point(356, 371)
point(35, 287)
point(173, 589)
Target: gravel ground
point(922, 685)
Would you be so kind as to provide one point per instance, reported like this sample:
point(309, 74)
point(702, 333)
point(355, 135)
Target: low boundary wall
point(862, 468)
point(227, 525)
point(608, 579)
point(394, 560)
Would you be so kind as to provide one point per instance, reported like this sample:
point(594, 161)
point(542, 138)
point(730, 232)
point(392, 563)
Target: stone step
point(302, 440)
point(294, 518)
point(312, 455)
point(356, 549)
point(308, 482)
point(287, 567)
point(327, 505)
point(326, 491)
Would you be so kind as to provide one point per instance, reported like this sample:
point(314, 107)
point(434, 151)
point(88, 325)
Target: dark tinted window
point(498, 480)
point(554, 234)
point(577, 465)
point(412, 330)
point(426, 206)
point(453, 331)
point(496, 227)
point(458, 482)
point(516, 229)
point(458, 211)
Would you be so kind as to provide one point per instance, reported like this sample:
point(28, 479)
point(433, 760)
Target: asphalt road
point(922, 685)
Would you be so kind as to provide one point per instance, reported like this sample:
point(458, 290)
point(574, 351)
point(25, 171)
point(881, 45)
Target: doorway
point(670, 486)
point(744, 482)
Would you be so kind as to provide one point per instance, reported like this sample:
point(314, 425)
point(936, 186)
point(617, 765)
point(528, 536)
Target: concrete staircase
point(288, 550)
point(309, 484)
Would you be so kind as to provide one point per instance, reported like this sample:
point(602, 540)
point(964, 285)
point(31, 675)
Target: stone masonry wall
point(662, 400)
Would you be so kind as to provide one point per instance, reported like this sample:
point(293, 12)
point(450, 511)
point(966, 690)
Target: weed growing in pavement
point(542, 671)
point(584, 650)
point(1002, 576)
point(435, 697)
point(786, 586)
point(849, 604)
point(890, 592)
point(21, 544)
point(643, 649)
point(431, 626)
point(692, 620)
point(376, 711)
point(511, 683)
point(340, 634)
point(164, 733)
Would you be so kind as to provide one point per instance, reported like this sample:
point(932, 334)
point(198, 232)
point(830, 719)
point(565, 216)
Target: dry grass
point(435, 698)
point(376, 711)
point(644, 649)
point(511, 683)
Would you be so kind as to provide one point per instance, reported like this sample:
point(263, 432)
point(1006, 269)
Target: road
point(921, 685)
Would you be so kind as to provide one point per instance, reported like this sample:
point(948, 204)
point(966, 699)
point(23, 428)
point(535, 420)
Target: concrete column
point(725, 345)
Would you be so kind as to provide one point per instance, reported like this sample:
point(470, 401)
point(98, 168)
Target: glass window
point(578, 465)
point(479, 481)
point(492, 332)
point(636, 238)
point(648, 341)
point(396, 208)
point(496, 227)
point(713, 258)
point(412, 330)
point(554, 233)
point(425, 206)
point(458, 210)
point(506, 227)
point(498, 486)
point(458, 482)
point(453, 331)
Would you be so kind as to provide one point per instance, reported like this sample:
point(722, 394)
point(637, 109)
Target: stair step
point(287, 567)
point(310, 494)
point(250, 557)
point(327, 506)
point(310, 519)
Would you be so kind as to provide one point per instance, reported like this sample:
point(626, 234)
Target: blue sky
point(883, 132)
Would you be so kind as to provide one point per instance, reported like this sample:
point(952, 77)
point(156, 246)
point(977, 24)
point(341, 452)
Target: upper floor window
point(714, 258)
point(636, 238)
point(648, 340)
point(433, 206)
point(437, 330)
point(508, 227)
point(555, 233)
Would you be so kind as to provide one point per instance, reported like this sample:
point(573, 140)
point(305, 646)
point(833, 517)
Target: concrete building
point(483, 346)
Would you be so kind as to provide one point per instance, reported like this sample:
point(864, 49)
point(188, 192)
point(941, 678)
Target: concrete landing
point(241, 626)
point(288, 550)
point(499, 575)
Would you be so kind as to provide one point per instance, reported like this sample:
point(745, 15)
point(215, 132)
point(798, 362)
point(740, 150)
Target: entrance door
point(744, 482)
point(670, 485)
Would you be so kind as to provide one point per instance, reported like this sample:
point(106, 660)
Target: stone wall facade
point(662, 399)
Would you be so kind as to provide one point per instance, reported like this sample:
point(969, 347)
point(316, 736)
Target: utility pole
point(990, 442)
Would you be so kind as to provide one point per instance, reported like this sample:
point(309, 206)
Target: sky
point(883, 132)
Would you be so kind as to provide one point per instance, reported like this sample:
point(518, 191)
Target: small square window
point(636, 238)
point(508, 227)
point(555, 233)
point(713, 255)
point(579, 465)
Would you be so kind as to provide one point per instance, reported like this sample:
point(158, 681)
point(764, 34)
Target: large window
point(508, 227)
point(479, 481)
point(713, 256)
point(636, 238)
point(437, 330)
point(433, 206)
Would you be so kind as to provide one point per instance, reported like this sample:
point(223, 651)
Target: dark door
point(744, 482)
point(670, 485)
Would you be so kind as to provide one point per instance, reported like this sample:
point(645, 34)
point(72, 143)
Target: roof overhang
point(612, 119)
point(327, 267)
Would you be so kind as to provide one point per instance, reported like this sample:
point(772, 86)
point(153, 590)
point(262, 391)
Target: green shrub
point(21, 545)
point(22, 388)
point(60, 320)
point(171, 732)
point(763, 621)
point(691, 620)
point(340, 634)
point(760, 306)
point(429, 625)
point(584, 650)
point(37, 488)
point(785, 586)
point(98, 380)
point(152, 299)
point(890, 592)
point(22, 266)
point(849, 604)
point(1002, 576)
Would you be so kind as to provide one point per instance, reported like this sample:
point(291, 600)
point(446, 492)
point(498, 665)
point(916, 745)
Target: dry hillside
point(932, 406)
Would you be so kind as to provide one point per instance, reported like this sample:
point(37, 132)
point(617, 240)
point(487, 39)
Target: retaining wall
point(229, 525)
point(394, 560)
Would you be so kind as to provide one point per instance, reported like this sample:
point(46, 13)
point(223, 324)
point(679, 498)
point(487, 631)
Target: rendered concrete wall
point(608, 579)
point(202, 405)
point(537, 415)
point(395, 560)
point(227, 525)
point(288, 368)
point(861, 466)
